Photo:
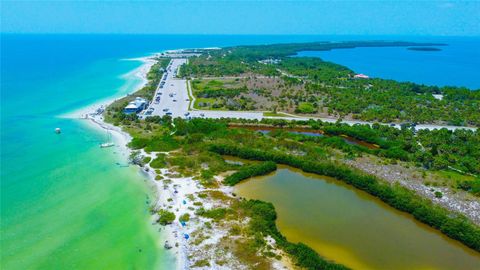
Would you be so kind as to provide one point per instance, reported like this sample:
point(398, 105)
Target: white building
point(136, 106)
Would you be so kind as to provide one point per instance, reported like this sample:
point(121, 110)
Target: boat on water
point(167, 245)
point(109, 142)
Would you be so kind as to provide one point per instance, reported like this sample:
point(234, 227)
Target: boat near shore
point(167, 245)
point(107, 144)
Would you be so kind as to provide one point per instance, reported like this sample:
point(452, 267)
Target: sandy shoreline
point(140, 72)
point(93, 115)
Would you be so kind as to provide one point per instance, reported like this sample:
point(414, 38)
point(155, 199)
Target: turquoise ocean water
point(66, 203)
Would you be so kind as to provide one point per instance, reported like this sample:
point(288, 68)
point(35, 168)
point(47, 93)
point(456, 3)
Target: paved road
point(175, 100)
point(173, 94)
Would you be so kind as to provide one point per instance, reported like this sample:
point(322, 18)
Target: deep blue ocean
point(65, 204)
point(456, 64)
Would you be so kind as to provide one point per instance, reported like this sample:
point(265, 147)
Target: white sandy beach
point(140, 72)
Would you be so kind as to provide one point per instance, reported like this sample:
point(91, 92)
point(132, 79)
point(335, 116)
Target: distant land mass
point(426, 49)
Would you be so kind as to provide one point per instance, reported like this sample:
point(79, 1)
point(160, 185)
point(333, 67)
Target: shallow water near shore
point(67, 204)
point(351, 227)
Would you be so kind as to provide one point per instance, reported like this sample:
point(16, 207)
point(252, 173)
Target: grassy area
point(454, 179)
point(306, 107)
point(216, 84)
point(276, 114)
point(455, 176)
point(219, 94)
point(200, 101)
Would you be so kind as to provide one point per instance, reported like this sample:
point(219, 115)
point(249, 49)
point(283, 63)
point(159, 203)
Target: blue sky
point(450, 18)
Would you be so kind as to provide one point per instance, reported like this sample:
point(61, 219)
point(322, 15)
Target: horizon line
point(221, 34)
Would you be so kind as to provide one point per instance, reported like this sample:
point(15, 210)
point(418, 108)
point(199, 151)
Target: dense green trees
point(306, 107)
point(248, 171)
point(459, 149)
point(391, 101)
point(215, 213)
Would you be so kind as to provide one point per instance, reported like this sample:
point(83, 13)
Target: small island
point(424, 49)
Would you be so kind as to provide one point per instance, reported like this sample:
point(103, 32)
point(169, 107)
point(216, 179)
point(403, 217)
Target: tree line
point(248, 171)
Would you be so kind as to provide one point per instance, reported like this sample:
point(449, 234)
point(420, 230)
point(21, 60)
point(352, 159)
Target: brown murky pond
point(352, 227)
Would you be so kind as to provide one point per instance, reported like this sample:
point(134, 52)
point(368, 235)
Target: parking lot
point(171, 97)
